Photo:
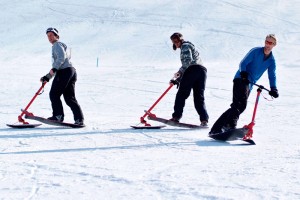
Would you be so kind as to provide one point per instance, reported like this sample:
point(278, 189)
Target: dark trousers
point(64, 84)
point(194, 78)
point(230, 117)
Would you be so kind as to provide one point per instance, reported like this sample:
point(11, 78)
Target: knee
point(183, 94)
point(52, 96)
point(199, 95)
point(239, 108)
point(70, 101)
point(242, 108)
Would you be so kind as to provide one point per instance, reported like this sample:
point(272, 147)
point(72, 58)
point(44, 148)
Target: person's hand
point(274, 92)
point(244, 76)
point(175, 82)
point(44, 79)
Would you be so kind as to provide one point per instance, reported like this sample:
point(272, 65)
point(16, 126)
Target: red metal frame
point(20, 119)
point(148, 112)
point(252, 123)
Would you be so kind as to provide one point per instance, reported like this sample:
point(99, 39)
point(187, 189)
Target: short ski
point(147, 127)
point(54, 123)
point(231, 135)
point(23, 125)
point(173, 123)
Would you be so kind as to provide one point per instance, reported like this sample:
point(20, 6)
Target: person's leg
point(239, 102)
point(198, 91)
point(69, 96)
point(55, 93)
point(183, 93)
point(221, 121)
point(241, 93)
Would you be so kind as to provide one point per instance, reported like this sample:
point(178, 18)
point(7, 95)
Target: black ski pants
point(230, 117)
point(194, 78)
point(64, 84)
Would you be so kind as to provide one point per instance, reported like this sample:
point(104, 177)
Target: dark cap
point(176, 35)
point(53, 30)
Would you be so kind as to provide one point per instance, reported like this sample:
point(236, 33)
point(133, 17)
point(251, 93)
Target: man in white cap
point(64, 80)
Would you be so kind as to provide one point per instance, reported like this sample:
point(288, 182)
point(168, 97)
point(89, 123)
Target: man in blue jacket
point(252, 67)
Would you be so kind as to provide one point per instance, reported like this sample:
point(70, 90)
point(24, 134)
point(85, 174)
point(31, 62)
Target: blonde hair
point(272, 36)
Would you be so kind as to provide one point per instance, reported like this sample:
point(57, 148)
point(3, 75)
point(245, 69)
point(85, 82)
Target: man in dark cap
point(64, 80)
point(191, 75)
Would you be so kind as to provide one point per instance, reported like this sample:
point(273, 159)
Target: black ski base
point(147, 127)
point(23, 125)
point(54, 123)
point(231, 135)
point(173, 123)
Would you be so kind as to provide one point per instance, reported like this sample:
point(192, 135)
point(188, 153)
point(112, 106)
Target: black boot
point(58, 118)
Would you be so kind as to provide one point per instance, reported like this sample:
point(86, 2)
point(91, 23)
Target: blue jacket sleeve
point(272, 75)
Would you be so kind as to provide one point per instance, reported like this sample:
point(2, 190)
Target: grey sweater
point(189, 56)
point(60, 56)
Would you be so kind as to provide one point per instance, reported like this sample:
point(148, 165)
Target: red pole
point(156, 102)
point(252, 123)
point(24, 110)
point(256, 103)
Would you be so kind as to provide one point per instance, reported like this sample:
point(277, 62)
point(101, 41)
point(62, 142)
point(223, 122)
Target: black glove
point(175, 82)
point(274, 92)
point(46, 78)
point(244, 76)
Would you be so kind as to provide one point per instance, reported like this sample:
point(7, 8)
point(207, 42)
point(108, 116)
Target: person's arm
point(186, 58)
point(60, 54)
point(272, 75)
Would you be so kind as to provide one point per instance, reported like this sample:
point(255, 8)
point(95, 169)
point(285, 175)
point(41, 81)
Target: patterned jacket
point(188, 56)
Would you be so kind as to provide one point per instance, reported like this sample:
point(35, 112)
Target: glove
point(175, 82)
point(274, 92)
point(244, 76)
point(46, 78)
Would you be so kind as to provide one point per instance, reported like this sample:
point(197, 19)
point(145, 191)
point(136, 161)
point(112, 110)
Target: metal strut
point(142, 119)
point(20, 119)
point(252, 123)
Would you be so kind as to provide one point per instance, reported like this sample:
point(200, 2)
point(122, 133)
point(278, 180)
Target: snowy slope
point(108, 159)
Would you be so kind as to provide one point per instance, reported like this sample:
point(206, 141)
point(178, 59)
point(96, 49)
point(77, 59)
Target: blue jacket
point(255, 65)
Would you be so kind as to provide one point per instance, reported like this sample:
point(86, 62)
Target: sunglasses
point(269, 43)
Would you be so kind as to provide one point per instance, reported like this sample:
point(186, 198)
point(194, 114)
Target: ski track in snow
point(109, 160)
